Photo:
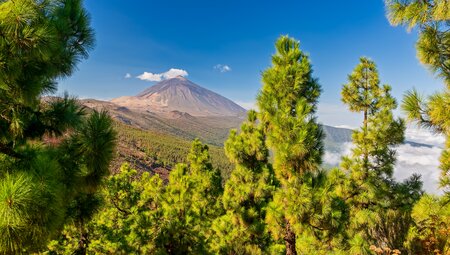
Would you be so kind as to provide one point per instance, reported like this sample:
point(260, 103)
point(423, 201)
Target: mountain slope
point(180, 94)
point(212, 129)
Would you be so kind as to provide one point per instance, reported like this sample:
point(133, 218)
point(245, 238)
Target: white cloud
point(345, 126)
point(248, 105)
point(410, 159)
point(171, 73)
point(127, 75)
point(420, 160)
point(222, 68)
point(334, 158)
point(420, 135)
point(150, 77)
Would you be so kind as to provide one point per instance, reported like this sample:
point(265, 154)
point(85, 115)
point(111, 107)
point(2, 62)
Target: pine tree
point(431, 18)
point(288, 102)
point(242, 229)
point(131, 221)
point(128, 221)
point(40, 42)
point(141, 215)
point(191, 203)
point(93, 144)
point(429, 233)
point(373, 196)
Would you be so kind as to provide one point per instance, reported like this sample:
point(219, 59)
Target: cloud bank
point(419, 160)
point(127, 75)
point(250, 105)
point(222, 68)
point(410, 159)
point(334, 158)
point(171, 73)
point(424, 136)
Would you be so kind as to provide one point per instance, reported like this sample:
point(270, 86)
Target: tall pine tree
point(302, 209)
point(242, 230)
point(191, 203)
point(371, 191)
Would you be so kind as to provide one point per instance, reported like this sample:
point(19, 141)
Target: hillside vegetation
point(147, 150)
point(212, 129)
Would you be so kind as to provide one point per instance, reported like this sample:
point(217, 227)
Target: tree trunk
point(83, 242)
point(366, 153)
point(365, 119)
point(289, 239)
point(366, 156)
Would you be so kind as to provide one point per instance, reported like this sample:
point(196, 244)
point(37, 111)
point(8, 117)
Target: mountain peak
point(181, 94)
point(179, 77)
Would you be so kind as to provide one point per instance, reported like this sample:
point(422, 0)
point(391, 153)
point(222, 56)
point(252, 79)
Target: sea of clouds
point(423, 160)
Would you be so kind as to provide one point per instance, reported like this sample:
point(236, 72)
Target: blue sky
point(154, 36)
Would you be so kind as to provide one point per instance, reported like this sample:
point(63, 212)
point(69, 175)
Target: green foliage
point(363, 91)
point(40, 42)
point(141, 215)
point(287, 102)
point(128, 223)
point(168, 150)
point(95, 141)
point(56, 183)
point(93, 146)
point(379, 207)
point(364, 94)
point(432, 113)
point(431, 230)
point(431, 17)
point(52, 155)
point(192, 202)
point(242, 229)
point(16, 192)
point(303, 205)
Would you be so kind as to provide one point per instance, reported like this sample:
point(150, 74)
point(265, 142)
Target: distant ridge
point(181, 95)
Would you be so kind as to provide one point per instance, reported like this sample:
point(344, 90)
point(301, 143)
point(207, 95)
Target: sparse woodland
point(59, 195)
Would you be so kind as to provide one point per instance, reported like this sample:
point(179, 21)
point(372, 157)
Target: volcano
point(181, 95)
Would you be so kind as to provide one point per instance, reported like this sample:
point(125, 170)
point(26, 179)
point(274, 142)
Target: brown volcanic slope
point(180, 94)
point(211, 129)
point(156, 142)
